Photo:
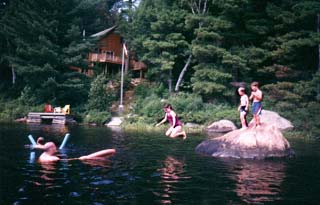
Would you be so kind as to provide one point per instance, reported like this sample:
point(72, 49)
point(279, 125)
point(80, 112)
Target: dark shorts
point(243, 109)
point(256, 108)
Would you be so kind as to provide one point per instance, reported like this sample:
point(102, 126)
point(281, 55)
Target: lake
point(148, 168)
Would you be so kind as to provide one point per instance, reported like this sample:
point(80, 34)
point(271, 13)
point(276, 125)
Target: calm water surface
point(149, 169)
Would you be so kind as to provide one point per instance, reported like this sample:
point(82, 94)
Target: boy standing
point(243, 107)
point(256, 97)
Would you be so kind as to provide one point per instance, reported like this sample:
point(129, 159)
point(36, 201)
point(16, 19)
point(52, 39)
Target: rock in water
point(273, 118)
point(115, 121)
point(221, 126)
point(253, 143)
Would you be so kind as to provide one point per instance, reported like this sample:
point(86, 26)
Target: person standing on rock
point(256, 97)
point(176, 125)
point(243, 107)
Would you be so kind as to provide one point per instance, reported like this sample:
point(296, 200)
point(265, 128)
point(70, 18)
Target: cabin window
point(110, 53)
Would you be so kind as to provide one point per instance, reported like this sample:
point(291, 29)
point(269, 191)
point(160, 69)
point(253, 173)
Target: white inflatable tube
point(33, 142)
point(64, 142)
point(32, 157)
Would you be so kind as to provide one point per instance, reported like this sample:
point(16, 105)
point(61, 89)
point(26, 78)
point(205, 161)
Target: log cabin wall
point(111, 42)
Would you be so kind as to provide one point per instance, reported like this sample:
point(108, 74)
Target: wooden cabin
point(108, 54)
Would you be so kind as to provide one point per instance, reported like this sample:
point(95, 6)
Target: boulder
point(191, 125)
point(221, 126)
point(273, 118)
point(24, 119)
point(254, 143)
point(115, 121)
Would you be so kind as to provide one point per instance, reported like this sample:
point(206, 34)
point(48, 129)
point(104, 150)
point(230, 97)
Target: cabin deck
point(55, 118)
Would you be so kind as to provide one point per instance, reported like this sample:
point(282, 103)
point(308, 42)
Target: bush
point(11, 110)
point(101, 95)
point(189, 107)
point(94, 116)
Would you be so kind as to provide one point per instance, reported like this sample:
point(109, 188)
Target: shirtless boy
point(256, 97)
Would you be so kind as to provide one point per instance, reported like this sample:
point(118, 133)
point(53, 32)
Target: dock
point(54, 118)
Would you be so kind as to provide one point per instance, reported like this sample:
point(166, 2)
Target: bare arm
point(247, 103)
point(252, 95)
point(163, 121)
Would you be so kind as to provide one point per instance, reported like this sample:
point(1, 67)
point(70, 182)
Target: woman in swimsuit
point(176, 125)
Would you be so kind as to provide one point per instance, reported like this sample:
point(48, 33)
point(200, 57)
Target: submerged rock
point(221, 126)
point(255, 143)
point(273, 118)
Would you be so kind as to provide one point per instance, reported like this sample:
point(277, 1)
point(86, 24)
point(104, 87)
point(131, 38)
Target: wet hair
point(40, 140)
point(255, 83)
point(167, 105)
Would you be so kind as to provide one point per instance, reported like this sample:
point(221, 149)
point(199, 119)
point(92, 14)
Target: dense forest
point(197, 53)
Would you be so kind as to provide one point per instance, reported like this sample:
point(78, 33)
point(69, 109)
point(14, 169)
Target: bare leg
point(243, 120)
point(169, 132)
point(177, 132)
point(258, 121)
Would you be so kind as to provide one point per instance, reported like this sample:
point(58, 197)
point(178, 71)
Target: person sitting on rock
point(243, 107)
point(256, 97)
point(176, 125)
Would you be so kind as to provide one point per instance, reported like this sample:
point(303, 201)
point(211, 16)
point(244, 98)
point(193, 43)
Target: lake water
point(149, 169)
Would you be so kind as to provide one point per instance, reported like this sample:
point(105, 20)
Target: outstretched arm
point(162, 121)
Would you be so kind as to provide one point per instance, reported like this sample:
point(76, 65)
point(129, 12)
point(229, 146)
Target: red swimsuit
point(170, 119)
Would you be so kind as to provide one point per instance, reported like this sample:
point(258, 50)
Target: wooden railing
point(104, 57)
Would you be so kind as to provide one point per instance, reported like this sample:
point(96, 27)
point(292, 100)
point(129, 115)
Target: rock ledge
point(254, 143)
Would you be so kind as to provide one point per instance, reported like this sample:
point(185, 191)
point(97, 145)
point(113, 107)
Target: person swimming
point(50, 149)
point(176, 125)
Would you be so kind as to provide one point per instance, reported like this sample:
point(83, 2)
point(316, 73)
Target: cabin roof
point(104, 32)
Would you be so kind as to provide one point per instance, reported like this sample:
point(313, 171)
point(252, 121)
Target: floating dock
point(54, 118)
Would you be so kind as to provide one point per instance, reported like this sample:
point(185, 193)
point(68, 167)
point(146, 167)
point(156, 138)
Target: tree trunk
point(318, 29)
point(13, 76)
point(170, 81)
point(182, 73)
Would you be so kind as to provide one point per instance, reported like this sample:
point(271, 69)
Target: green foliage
point(14, 109)
point(210, 81)
point(101, 95)
point(98, 117)
point(189, 107)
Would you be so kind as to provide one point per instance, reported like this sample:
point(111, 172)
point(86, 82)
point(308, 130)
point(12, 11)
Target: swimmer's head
point(40, 140)
point(50, 148)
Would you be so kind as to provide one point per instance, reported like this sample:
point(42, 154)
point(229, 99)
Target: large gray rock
point(273, 118)
point(262, 142)
point(221, 126)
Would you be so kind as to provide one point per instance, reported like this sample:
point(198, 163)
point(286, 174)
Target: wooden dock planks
point(56, 118)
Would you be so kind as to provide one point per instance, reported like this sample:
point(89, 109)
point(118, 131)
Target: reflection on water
point(171, 172)
point(258, 182)
point(48, 129)
point(103, 162)
point(148, 168)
